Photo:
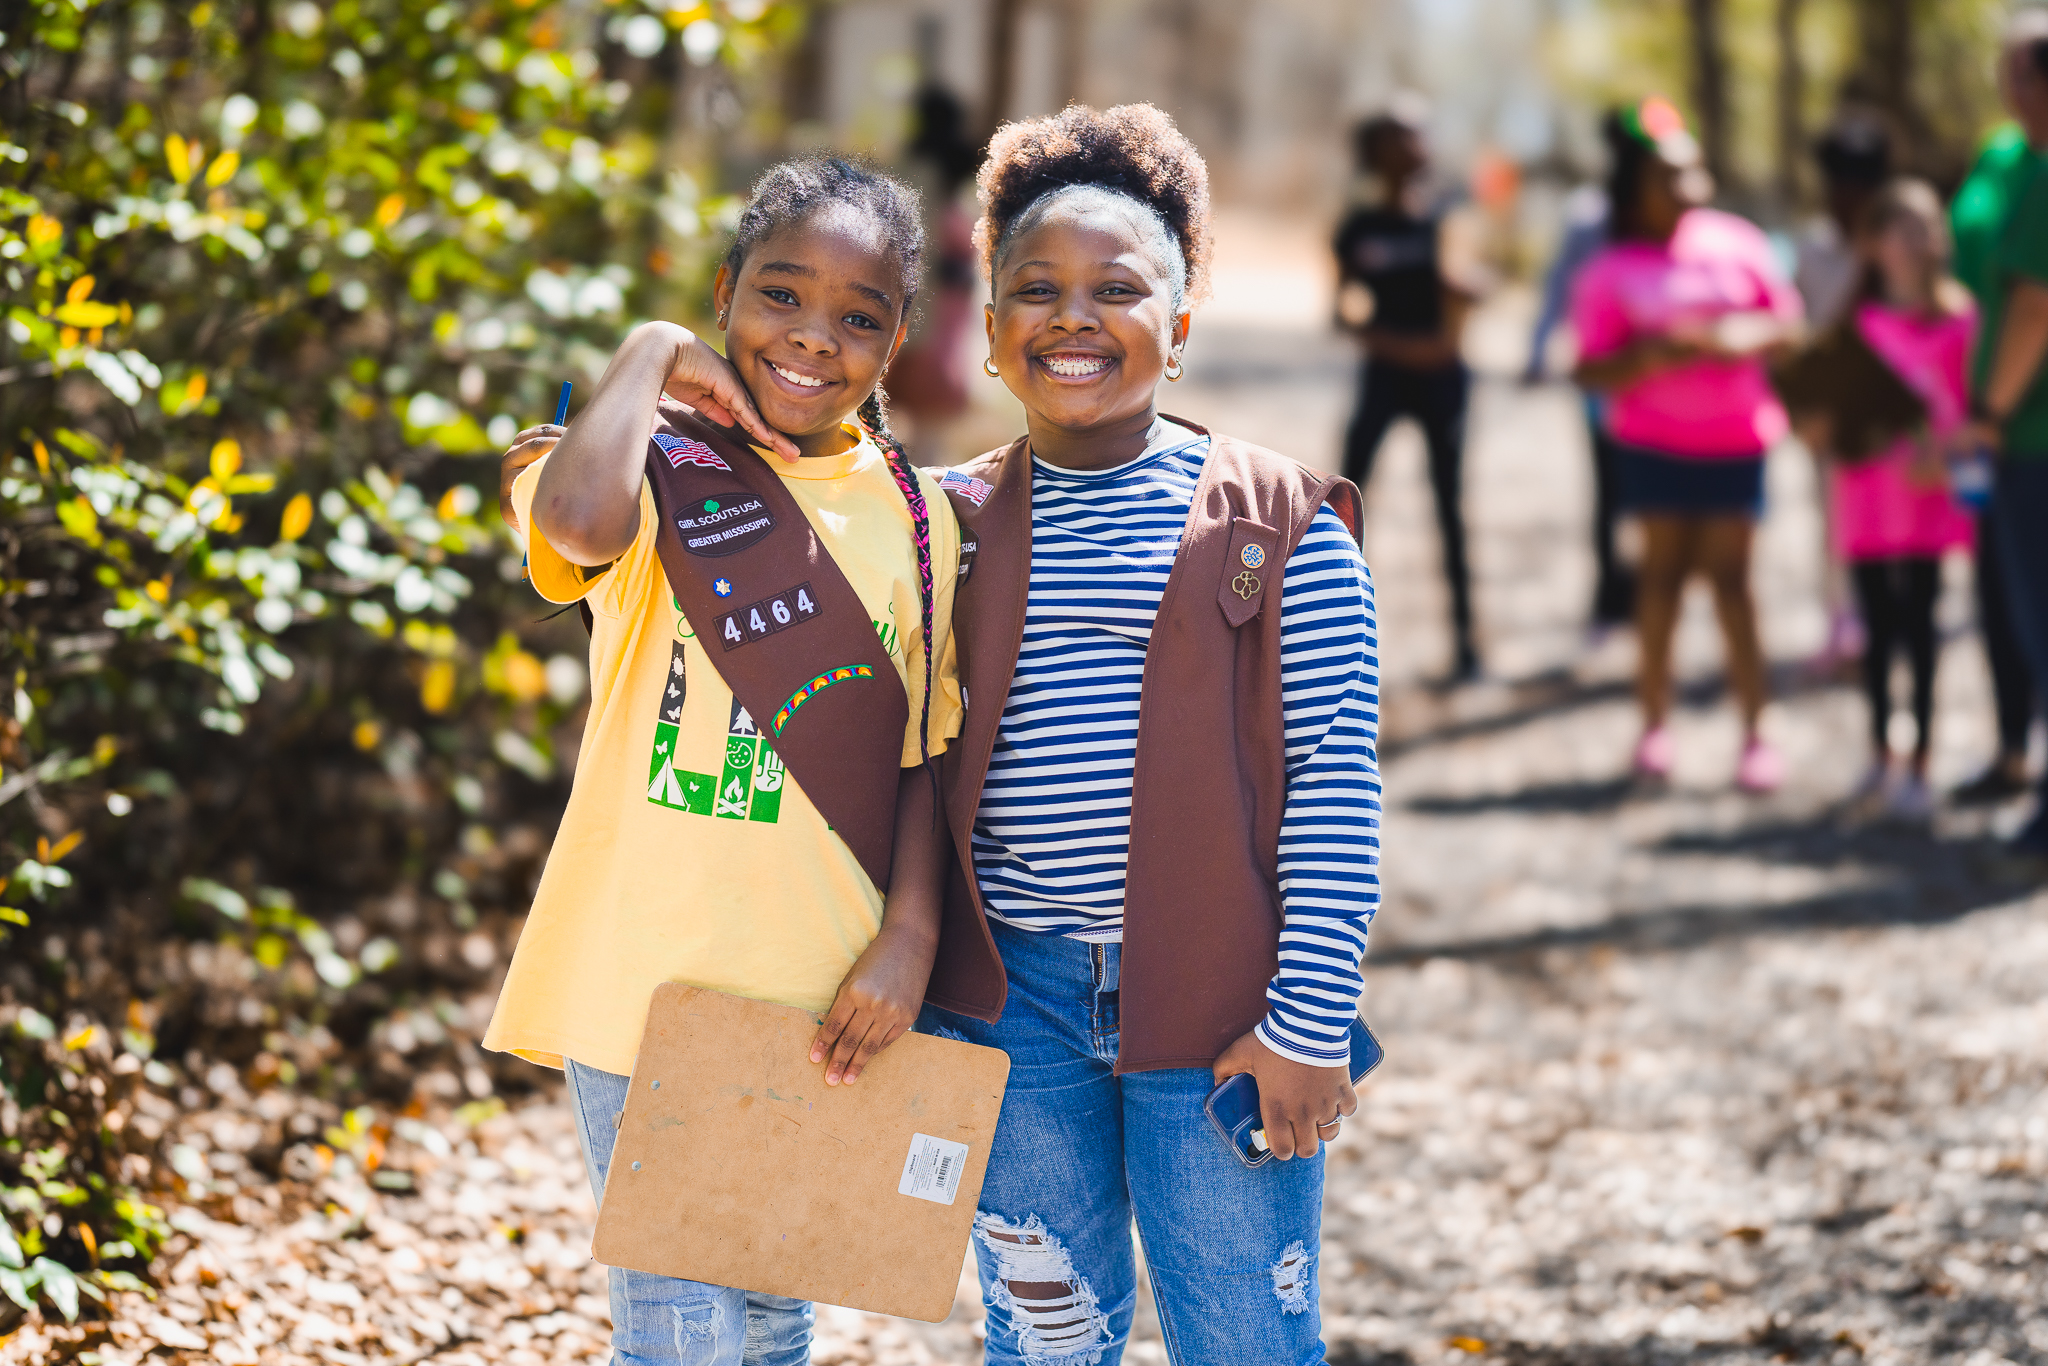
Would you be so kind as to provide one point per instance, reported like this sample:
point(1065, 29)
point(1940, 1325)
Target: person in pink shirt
point(1894, 515)
point(1675, 319)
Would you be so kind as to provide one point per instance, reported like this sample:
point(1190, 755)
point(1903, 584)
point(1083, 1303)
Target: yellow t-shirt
point(687, 854)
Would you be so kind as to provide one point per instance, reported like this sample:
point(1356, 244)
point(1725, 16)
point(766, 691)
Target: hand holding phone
point(1235, 1110)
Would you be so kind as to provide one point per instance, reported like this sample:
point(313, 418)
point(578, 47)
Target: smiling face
point(812, 319)
point(1082, 324)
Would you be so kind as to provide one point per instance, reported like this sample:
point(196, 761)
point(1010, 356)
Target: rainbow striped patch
point(814, 687)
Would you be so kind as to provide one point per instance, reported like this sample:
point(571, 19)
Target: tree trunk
point(807, 69)
point(1884, 75)
point(1791, 103)
point(1073, 51)
point(1004, 18)
point(1710, 81)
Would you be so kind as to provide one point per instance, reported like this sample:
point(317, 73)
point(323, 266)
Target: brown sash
point(783, 627)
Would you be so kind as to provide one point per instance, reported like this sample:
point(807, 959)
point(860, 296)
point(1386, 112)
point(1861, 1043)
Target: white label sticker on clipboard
point(932, 1171)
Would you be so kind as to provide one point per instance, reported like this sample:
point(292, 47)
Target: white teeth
point(794, 378)
point(1075, 366)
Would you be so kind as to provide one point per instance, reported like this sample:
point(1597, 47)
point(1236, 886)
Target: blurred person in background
point(1393, 248)
point(1675, 317)
point(1892, 511)
point(2001, 222)
point(1585, 233)
point(928, 379)
point(1855, 159)
point(1988, 211)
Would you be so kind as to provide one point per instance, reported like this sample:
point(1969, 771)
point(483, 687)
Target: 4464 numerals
point(757, 621)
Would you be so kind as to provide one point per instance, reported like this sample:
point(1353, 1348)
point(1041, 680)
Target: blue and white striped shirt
point(1052, 837)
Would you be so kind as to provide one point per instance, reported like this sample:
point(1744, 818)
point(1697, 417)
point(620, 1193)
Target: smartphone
point(1233, 1107)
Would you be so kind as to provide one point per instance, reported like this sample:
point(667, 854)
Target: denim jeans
point(661, 1319)
point(1231, 1251)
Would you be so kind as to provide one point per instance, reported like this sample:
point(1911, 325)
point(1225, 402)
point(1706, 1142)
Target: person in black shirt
point(1412, 367)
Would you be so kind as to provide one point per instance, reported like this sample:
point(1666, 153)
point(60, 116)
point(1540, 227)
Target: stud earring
point(721, 322)
point(988, 367)
point(1174, 371)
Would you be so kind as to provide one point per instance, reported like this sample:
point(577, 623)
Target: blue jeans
point(662, 1318)
point(1231, 1251)
point(2019, 513)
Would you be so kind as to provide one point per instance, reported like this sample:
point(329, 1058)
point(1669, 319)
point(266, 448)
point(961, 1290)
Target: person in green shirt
point(1977, 219)
point(2000, 219)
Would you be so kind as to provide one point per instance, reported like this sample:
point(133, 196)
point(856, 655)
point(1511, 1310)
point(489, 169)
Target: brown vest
point(783, 627)
point(1202, 912)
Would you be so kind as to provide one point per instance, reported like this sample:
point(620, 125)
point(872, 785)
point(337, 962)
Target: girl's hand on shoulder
point(527, 447)
point(1299, 1105)
point(876, 1005)
point(700, 377)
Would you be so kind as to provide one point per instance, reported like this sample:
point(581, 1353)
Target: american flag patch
point(682, 451)
point(974, 490)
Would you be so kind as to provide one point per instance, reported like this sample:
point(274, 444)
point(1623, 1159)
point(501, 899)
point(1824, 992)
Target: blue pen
point(562, 408)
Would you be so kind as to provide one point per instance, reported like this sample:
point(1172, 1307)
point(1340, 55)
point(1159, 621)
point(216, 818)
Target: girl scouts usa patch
point(721, 523)
point(682, 451)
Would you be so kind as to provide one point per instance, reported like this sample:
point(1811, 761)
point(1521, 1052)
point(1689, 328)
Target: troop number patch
point(758, 621)
point(721, 523)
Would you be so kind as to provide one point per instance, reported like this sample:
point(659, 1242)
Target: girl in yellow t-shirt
point(687, 851)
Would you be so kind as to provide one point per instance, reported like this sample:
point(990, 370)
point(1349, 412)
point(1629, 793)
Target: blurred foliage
point(280, 279)
point(1621, 50)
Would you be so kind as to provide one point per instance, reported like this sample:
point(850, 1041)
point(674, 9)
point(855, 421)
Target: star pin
point(722, 587)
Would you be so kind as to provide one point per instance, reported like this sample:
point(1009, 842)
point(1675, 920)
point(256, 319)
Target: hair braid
point(874, 416)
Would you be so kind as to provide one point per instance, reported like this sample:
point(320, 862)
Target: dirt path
point(1673, 1078)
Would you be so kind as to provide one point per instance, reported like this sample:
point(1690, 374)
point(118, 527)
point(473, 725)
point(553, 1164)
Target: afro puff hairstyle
point(1133, 150)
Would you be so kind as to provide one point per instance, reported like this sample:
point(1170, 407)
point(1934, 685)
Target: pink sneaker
point(1762, 768)
point(1656, 753)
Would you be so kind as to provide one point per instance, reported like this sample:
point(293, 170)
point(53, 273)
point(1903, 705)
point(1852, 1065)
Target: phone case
point(1233, 1107)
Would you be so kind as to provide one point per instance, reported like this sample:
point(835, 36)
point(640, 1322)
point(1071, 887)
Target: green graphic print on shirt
point(750, 786)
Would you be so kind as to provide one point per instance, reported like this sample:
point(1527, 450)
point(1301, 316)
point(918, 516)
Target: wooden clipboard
point(736, 1165)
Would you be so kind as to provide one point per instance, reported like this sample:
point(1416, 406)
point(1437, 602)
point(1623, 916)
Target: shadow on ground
point(1912, 878)
point(1423, 717)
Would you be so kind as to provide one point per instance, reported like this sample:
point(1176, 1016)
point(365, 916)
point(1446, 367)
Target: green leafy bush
point(280, 280)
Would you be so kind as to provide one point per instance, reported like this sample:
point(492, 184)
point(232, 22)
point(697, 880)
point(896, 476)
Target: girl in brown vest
point(1164, 800)
point(770, 591)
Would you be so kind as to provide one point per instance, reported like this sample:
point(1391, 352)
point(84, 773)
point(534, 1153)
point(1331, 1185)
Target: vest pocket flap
point(1250, 563)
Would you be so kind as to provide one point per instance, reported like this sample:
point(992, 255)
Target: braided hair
point(874, 416)
point(790, 192)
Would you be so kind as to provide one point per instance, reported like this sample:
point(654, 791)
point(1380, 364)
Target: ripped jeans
point(1231, 1251)
point(661, 1319)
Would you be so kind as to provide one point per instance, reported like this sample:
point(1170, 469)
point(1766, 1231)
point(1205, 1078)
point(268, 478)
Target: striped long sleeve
point(1330, 825)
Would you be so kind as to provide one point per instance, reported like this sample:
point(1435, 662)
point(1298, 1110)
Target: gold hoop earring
point(1174, 371)
point(988, 367)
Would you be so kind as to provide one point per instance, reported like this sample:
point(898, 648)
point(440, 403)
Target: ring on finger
point(1330, 1124)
